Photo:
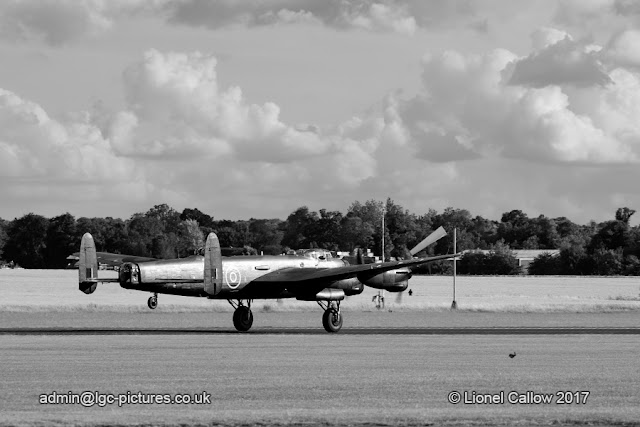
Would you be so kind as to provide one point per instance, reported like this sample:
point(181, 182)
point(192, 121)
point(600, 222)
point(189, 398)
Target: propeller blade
point(431, 238)
point(399, 297)
point(359, 256)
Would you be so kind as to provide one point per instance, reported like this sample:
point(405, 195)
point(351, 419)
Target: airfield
point(391, 366)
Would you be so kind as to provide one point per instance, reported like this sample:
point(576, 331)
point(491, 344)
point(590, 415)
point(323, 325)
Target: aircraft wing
point(363, 271)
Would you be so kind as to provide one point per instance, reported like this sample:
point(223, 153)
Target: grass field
point(57, 290)
point(321, 379)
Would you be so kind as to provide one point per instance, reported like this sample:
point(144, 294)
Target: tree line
point(606, 248)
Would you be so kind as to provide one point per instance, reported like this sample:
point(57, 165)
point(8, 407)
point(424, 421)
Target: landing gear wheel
point(152, 302)
point(332, 320)
point(242, 318)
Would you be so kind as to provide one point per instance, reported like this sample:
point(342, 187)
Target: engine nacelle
point(327, 294)
point(391, 281)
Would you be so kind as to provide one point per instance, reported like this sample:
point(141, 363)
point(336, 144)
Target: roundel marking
point(234, 278)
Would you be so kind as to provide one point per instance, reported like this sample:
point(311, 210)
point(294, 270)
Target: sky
point(253, 108)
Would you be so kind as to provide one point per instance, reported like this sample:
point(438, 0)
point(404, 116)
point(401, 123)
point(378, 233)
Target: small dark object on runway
point(512, 355)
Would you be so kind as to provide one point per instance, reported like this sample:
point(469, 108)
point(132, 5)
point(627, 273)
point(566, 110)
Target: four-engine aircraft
point(311, 276)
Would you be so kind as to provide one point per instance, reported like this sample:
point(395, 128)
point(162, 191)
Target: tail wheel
point(152, 302)
point(332, 320)
point(242, 318)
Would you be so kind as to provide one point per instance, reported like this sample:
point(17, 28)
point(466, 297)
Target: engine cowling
point(391, 281)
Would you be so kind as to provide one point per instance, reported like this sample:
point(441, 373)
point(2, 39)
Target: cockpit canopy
point(321, 254)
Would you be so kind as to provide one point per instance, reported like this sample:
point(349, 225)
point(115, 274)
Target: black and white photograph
point(319, 212)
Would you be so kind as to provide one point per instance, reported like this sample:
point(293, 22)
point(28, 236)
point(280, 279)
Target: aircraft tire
point(242, 318)
point(152, 302)
point(332, 320)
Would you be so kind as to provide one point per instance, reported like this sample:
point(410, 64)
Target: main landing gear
point(152, 302)
point(332, 317)
point(242, 316)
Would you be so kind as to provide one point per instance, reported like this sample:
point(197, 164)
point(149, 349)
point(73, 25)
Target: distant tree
point(164, 246)
point(607, 262)
point(3, 235)
point(499, 261)
point(229, 234)
point(502, 262)
point(485, 232)
point(248, 250)
point(298, 227)
point(565, 227)
point(61, 240)
point(545, 264)
point(325, 231)
point(612, 235)
point(545, 230)
point(624, 214)
point(266, 233)
point(142, 230)
point(461, 220)
point(354, 232)
point(401, 225)
point(168, 217)
point(191, 237)
point(194, 214)
point(472, 262)
point(109, 234)
point(574, 260)
point(532, 242)
point(631, 265)
point(26, 241)
point(514, 228)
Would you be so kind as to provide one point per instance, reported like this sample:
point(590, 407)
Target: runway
point(320, 331)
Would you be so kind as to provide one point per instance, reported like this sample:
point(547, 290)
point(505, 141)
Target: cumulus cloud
point(44, 159)
point(177, 109)
point(624, 49)
point(558, 104)
point(58, 22)
point(565, 62)
point(52, 21)
point(364, 14)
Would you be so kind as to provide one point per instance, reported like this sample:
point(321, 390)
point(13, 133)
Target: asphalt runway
point(320, 331)
point(269, 378)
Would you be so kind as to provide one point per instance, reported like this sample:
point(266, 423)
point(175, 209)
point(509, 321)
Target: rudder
point(88, 265)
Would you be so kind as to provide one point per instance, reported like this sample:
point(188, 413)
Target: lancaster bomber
point(313, 275)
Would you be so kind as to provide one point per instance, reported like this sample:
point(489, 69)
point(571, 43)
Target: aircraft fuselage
point(239, 277)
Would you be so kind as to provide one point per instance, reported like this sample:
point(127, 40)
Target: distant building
point(524, 256)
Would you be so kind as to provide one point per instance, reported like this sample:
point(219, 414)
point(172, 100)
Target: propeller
point(430, 239)
point(399, 297)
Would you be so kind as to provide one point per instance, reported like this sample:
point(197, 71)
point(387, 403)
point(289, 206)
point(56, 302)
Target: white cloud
point(400, 16)
point(54, 157)
point(584, 12)
point(565, 62)
point(624, 49)
point(180, 111)
point(57, 22)
point(546, 36)
point(53, 21)
point(558, 104)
